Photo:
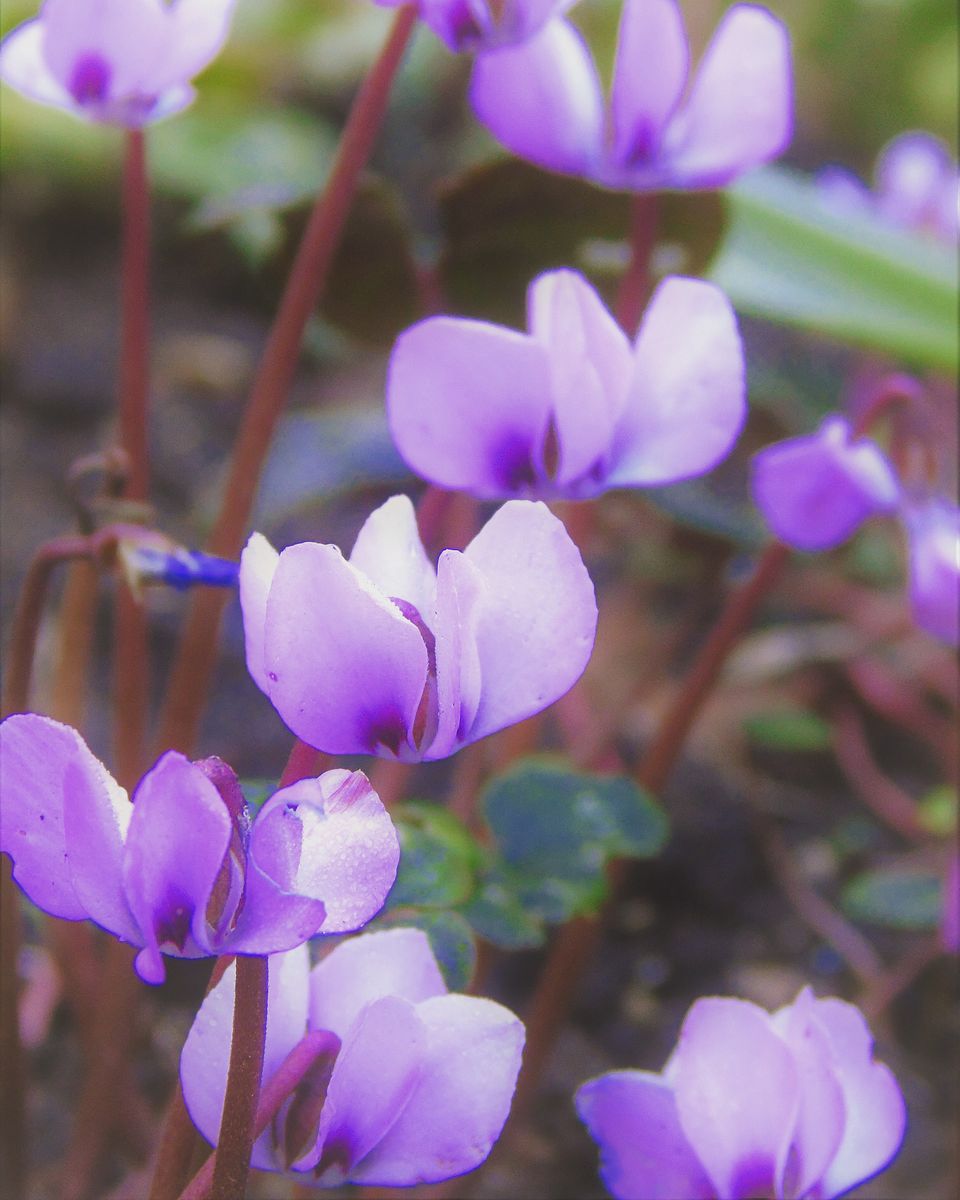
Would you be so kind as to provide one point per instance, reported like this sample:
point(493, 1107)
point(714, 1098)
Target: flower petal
point(178, 836)
point(200, 28)
point(468, 404)
point(648, 76)
point(687, 399)
point(738, 1094)
point(23, 67)
point(815, 491)
point(740, 109)
point(537, 619)
point(876, 1115)
point(258, 565)
point(206, 1052)
point(127, 37)
point(389, 552)
point(542, 99)
point(346, 671)
point(41, 761)
point(390, 962)
point(460, 597)
point(934, 530)
point(462, 1096)
point(632, 1116)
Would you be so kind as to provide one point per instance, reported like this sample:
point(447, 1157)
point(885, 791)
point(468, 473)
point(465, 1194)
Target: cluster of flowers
point(384, 653)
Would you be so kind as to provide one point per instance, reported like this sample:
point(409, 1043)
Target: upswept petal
point(876, 1115)
point(537, 621)
point(373, 1079)
point(687, 400)
point(468, 404)
point(740, 109)
point(914, 176)
point(23, 66)
point(815, 491)
point(524, 17)
point(129, 36)
point(542, 99)
point(36, 757)
point(200, 28)
point(205, 1057)
point(737, 1091)
point(934, 535)
point(590, 365)
point(649, 75)
point(258, 565)
point(345, 670)
point(461, 1098)
point(388, 550)
point(632, 1115)
point(349, 850)
point(460, 597)
point(178, 836)
point(389, 962)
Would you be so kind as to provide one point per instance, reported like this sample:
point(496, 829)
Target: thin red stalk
point(889, 802)
point(12, 1099)
point(193, 667)
point(76, 619)
point(304, 763)
point(235, 1143)
point(281, 1084)
point(134, 316)
point(636, 284)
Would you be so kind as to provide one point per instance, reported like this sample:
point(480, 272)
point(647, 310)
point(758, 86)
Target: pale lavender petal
point(822, 1115)
point(815, 491)
point(740, 110)
point(521, 18)
point(24, 68)
point(175, 847)
point(460, 599)
point(258, 565)
point(200, 28)
point(206, 1051)
point(687, 400)
point(349, 850)
point(346, 671)
point(843, 191)
point(632, 1116)
point(390, 962)
point(648, 77)
point(738, 1094)
point(916, 183)
point(36, 755)
point(389, 552)
point(461, 1099)
point(590, 364)
point(542, 99)
point(950, 906)
point(934, 534)
point(537, 620)
point(373, 1078)
point(876, 1114)
point(100, 50)
point(468, 404)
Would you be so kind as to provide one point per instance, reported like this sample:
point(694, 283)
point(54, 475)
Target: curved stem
point(193, 667)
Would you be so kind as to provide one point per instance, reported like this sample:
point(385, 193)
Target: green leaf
point(497, 913)
point(789, 257)
point(451, 940)
point(938, 811)
point(438, 858)
point(899, 897)
point(788, 729)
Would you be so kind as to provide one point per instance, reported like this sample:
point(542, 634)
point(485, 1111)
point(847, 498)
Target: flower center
point(90, 79)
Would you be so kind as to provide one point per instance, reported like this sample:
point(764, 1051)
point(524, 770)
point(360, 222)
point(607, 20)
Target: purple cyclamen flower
point(543, 100)
point(474, 25)
point(421, 1082)
point(182, 870)
point(570, 408)
point(789, 1105)
point(817, 490)
point(120, 62)
point(916, 186)
point(383, 654)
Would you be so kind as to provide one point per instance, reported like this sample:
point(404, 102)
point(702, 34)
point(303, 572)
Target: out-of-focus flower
point(477, 25)
point(570, 408)
point(120, 62)
point(950, 908)
point(382, 654)
point(790, 1105)
point(916, 186)
point(182, 870)
point(419, 1087)
point(817, 490)
point(544, 102)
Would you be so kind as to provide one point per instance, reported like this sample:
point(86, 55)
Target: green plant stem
point(193, 667)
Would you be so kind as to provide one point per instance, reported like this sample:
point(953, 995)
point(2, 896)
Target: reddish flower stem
point(636, 283)
point(134, 316)
point(304, 763)
point(280, 1085)
point(193, 667)
point(237, 1127)
point(12, 1099)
